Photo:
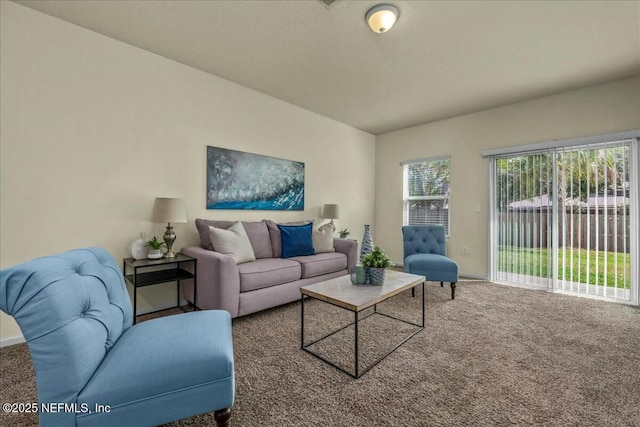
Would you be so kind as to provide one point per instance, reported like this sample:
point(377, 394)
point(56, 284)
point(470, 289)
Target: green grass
point(537, 262)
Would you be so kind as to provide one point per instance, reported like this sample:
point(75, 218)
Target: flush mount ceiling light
point(381, 17)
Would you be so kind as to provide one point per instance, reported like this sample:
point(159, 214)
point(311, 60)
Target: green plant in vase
point(155, 248)
point(344, 233)
point(376, 262)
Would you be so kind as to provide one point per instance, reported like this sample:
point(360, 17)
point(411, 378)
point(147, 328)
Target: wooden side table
point(146, 272)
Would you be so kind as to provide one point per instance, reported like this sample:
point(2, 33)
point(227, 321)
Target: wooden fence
point(594, 230)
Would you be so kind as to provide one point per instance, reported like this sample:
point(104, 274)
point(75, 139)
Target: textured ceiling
point(441, 59)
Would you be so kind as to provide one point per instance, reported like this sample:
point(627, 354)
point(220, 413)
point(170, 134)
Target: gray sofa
point(268, 281)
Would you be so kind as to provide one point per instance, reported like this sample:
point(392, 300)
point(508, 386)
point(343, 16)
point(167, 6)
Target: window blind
point(426, 192)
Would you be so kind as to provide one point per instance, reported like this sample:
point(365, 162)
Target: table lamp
point(169, 210)
point(331, 212)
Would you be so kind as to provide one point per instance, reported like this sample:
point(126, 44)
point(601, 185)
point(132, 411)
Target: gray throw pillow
point(233, 242)
point(257, 232)
point(323, 238)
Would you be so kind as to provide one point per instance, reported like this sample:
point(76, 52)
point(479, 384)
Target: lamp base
point(169, 237)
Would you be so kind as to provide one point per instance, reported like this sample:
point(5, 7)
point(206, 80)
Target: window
point(426, 192)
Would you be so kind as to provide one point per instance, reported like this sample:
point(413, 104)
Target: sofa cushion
point(274, 235)
point(263, 273)
point(233, 242)
point(316, 265)
point(257, 232)
point(259, 238)
point(323, 238)
point(296, 240)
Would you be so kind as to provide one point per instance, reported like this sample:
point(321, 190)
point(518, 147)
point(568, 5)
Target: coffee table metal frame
point(356, 310)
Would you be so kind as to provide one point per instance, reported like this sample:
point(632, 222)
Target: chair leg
point(413, 291)
point(441, 284)
point(222, 417)
point(453, 290)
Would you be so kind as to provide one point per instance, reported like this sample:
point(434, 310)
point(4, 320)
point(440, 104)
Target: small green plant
point(377, 259)
point(344, 233)
point(155, 243)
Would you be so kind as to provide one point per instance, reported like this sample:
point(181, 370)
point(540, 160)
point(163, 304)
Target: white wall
point(595, 110)
point(92, 130)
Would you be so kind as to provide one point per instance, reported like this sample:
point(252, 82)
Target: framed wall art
point(239, 180)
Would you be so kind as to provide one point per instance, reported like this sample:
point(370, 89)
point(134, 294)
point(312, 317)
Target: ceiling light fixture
point(381, 18)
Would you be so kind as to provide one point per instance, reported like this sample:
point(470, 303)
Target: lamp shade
point(381, 17)
point(169, 210)
point(331, 212)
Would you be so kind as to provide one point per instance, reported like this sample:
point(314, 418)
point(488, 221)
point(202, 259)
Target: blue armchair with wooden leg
point(425, 254)
point(93, 368)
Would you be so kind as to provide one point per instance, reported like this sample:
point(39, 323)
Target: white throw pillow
point(323, 238)
point(233, 242)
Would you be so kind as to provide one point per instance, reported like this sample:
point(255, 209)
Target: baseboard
point(6, 342)
point(400, 267)
point(167, 306)
point(472, 276)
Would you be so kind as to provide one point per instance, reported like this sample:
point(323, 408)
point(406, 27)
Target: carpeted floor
point(495, 356)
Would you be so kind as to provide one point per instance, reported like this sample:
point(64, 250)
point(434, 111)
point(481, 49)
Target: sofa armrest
point(218, 280)
point(349, 248)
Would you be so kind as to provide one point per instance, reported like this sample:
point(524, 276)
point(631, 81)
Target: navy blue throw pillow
point(296, 240)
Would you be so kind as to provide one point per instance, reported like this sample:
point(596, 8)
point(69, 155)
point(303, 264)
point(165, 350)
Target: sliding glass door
point(562, 219)
point(524, 189)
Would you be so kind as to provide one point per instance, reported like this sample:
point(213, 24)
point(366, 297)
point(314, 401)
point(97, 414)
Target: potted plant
point(344, 233)
point(155, 248)
point(376, 262)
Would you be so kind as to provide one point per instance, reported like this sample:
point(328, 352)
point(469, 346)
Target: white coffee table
point(356, 298)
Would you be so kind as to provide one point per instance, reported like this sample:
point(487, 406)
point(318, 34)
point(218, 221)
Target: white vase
point(154, 254)
point(138, 249)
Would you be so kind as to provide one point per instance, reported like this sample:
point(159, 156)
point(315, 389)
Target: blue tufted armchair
point(425, 254)
point(93, 368)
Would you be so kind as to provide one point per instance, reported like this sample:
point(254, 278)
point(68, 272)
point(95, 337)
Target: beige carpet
point(495, 356)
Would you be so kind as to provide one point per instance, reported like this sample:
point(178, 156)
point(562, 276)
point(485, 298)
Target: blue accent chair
point(75, 314)
point(425, 254)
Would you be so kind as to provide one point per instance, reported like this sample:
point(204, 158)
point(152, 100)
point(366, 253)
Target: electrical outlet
point(465, 250)
point(476, 208)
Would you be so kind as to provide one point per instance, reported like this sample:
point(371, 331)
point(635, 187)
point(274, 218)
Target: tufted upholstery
point(75, 314)
point(425, 254)
point(426, 239)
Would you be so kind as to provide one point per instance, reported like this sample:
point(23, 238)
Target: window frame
point(406, 198)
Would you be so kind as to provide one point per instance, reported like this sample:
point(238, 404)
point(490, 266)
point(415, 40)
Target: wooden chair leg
point(222, 417)
point(441, 284)
point(413, 291)
point(453, 290)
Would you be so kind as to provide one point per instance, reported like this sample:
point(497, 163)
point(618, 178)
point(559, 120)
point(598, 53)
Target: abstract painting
point(239, 180)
